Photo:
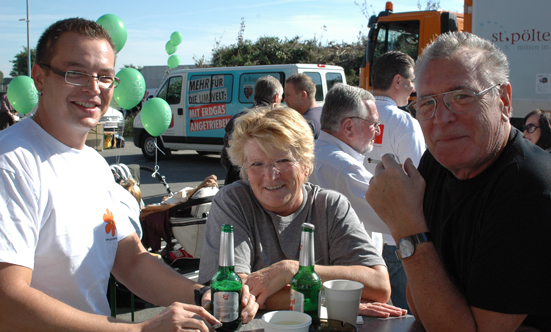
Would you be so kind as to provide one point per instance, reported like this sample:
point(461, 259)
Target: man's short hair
point(303, 82)
point(483, 56)
point(387, 66)
point(265, 89)
point(343, 101)
point(45, 49)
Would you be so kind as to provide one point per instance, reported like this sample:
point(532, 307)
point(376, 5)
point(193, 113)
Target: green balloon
point(173, 61)
point(131, 89)
point(156, 116)
point(170, 48)
point(116, 28)
point(176, 38)
point(22, 94)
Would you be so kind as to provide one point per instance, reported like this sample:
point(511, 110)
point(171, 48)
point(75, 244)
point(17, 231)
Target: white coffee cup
point(343, 299)
point(286, 321)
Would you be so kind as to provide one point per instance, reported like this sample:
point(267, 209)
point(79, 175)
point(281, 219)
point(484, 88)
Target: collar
point(387, 99)
point(326, 137)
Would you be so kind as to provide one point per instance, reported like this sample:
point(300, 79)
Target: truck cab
point(408, 32)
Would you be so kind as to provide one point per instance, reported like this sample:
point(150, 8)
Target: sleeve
point(226, 209)
point(411, 143)
point(19, 220)
point(348, 241)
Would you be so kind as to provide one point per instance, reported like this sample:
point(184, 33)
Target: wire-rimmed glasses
point(83, 79)
point(458, 101)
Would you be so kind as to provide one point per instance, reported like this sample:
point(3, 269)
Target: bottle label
point(226, 306)
point(297, 301)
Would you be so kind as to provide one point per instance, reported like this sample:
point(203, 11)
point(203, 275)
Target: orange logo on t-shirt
point(110, 227)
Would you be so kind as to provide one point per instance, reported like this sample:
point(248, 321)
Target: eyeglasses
point(281, 165)
point(83, 79)
point(458, 101)
point(529, 128)
point(375, 123)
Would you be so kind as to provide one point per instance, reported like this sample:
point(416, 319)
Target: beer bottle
point(226, 285)
point(306, 284)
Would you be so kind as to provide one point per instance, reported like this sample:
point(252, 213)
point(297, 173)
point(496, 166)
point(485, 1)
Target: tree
point(1, 77)
point(20, 62)
point(431, 5)
point(272, 50)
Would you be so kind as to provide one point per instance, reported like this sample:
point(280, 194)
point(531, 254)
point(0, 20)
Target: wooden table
point(371, 324)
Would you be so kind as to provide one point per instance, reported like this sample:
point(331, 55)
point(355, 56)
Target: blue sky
point(202, 23)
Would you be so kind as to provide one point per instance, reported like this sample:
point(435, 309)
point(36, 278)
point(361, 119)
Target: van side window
point(247, 83)
point(206, 89)
point(316, 77)
point(174, 90)
point(331, 79)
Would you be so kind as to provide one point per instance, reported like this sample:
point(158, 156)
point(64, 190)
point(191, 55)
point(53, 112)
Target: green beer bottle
point(226, 286)
point(306, 284)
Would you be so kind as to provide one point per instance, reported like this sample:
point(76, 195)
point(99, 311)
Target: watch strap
point(414, 239)
point(198, 294)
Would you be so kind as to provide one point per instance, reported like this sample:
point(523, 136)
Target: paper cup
point(342, 299)
point(286, 321)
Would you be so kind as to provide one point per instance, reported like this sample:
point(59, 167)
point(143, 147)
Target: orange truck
point(520, 28)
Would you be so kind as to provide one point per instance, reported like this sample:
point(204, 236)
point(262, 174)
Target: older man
point(59, 240)
point(472, 224)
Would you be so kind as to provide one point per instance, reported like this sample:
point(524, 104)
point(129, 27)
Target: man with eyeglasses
point(60, 239)
point(472, 222)
point(349, 123)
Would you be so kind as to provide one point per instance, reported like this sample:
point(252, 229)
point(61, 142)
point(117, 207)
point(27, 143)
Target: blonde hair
point(274, 129)
point(132, 186)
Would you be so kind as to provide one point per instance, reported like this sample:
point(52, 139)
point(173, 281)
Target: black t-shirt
point(492, 232)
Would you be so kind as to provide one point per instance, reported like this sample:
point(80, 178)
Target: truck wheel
point(148, 148)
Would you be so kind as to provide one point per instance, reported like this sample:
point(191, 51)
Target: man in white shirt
point(392, 77)
point(349, 123)
point(59, 240)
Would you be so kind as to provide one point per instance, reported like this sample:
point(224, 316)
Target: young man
point(300, 95)
point(400, 134)
point(472, 224)
point(59, 240)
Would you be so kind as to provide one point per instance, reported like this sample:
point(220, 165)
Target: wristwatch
point(199, 294)
point(406, 246)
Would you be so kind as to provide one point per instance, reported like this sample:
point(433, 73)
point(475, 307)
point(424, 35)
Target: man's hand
point(179, 316)
point(397, 196)
point(268, 281)
point(248, 303)
point(378, 309)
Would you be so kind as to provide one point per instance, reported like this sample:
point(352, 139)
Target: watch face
point(406, 248)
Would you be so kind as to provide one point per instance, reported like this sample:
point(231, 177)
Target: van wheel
point(148, 148)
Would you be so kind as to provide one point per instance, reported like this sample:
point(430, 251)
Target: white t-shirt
point(400, 135)
point(59, 216)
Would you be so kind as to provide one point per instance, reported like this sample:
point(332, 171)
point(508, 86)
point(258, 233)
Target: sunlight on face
point(279, 192)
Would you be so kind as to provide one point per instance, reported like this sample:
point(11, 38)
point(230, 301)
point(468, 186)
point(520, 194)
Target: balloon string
point(156, 166)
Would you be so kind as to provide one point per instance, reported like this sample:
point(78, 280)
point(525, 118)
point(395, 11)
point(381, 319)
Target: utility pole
point(28, 41)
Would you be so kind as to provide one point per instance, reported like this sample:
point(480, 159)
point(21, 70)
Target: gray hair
point(266, 88)
point(488, 60)
point(343, 101)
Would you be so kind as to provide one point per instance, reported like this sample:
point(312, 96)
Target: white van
point(204, 99)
